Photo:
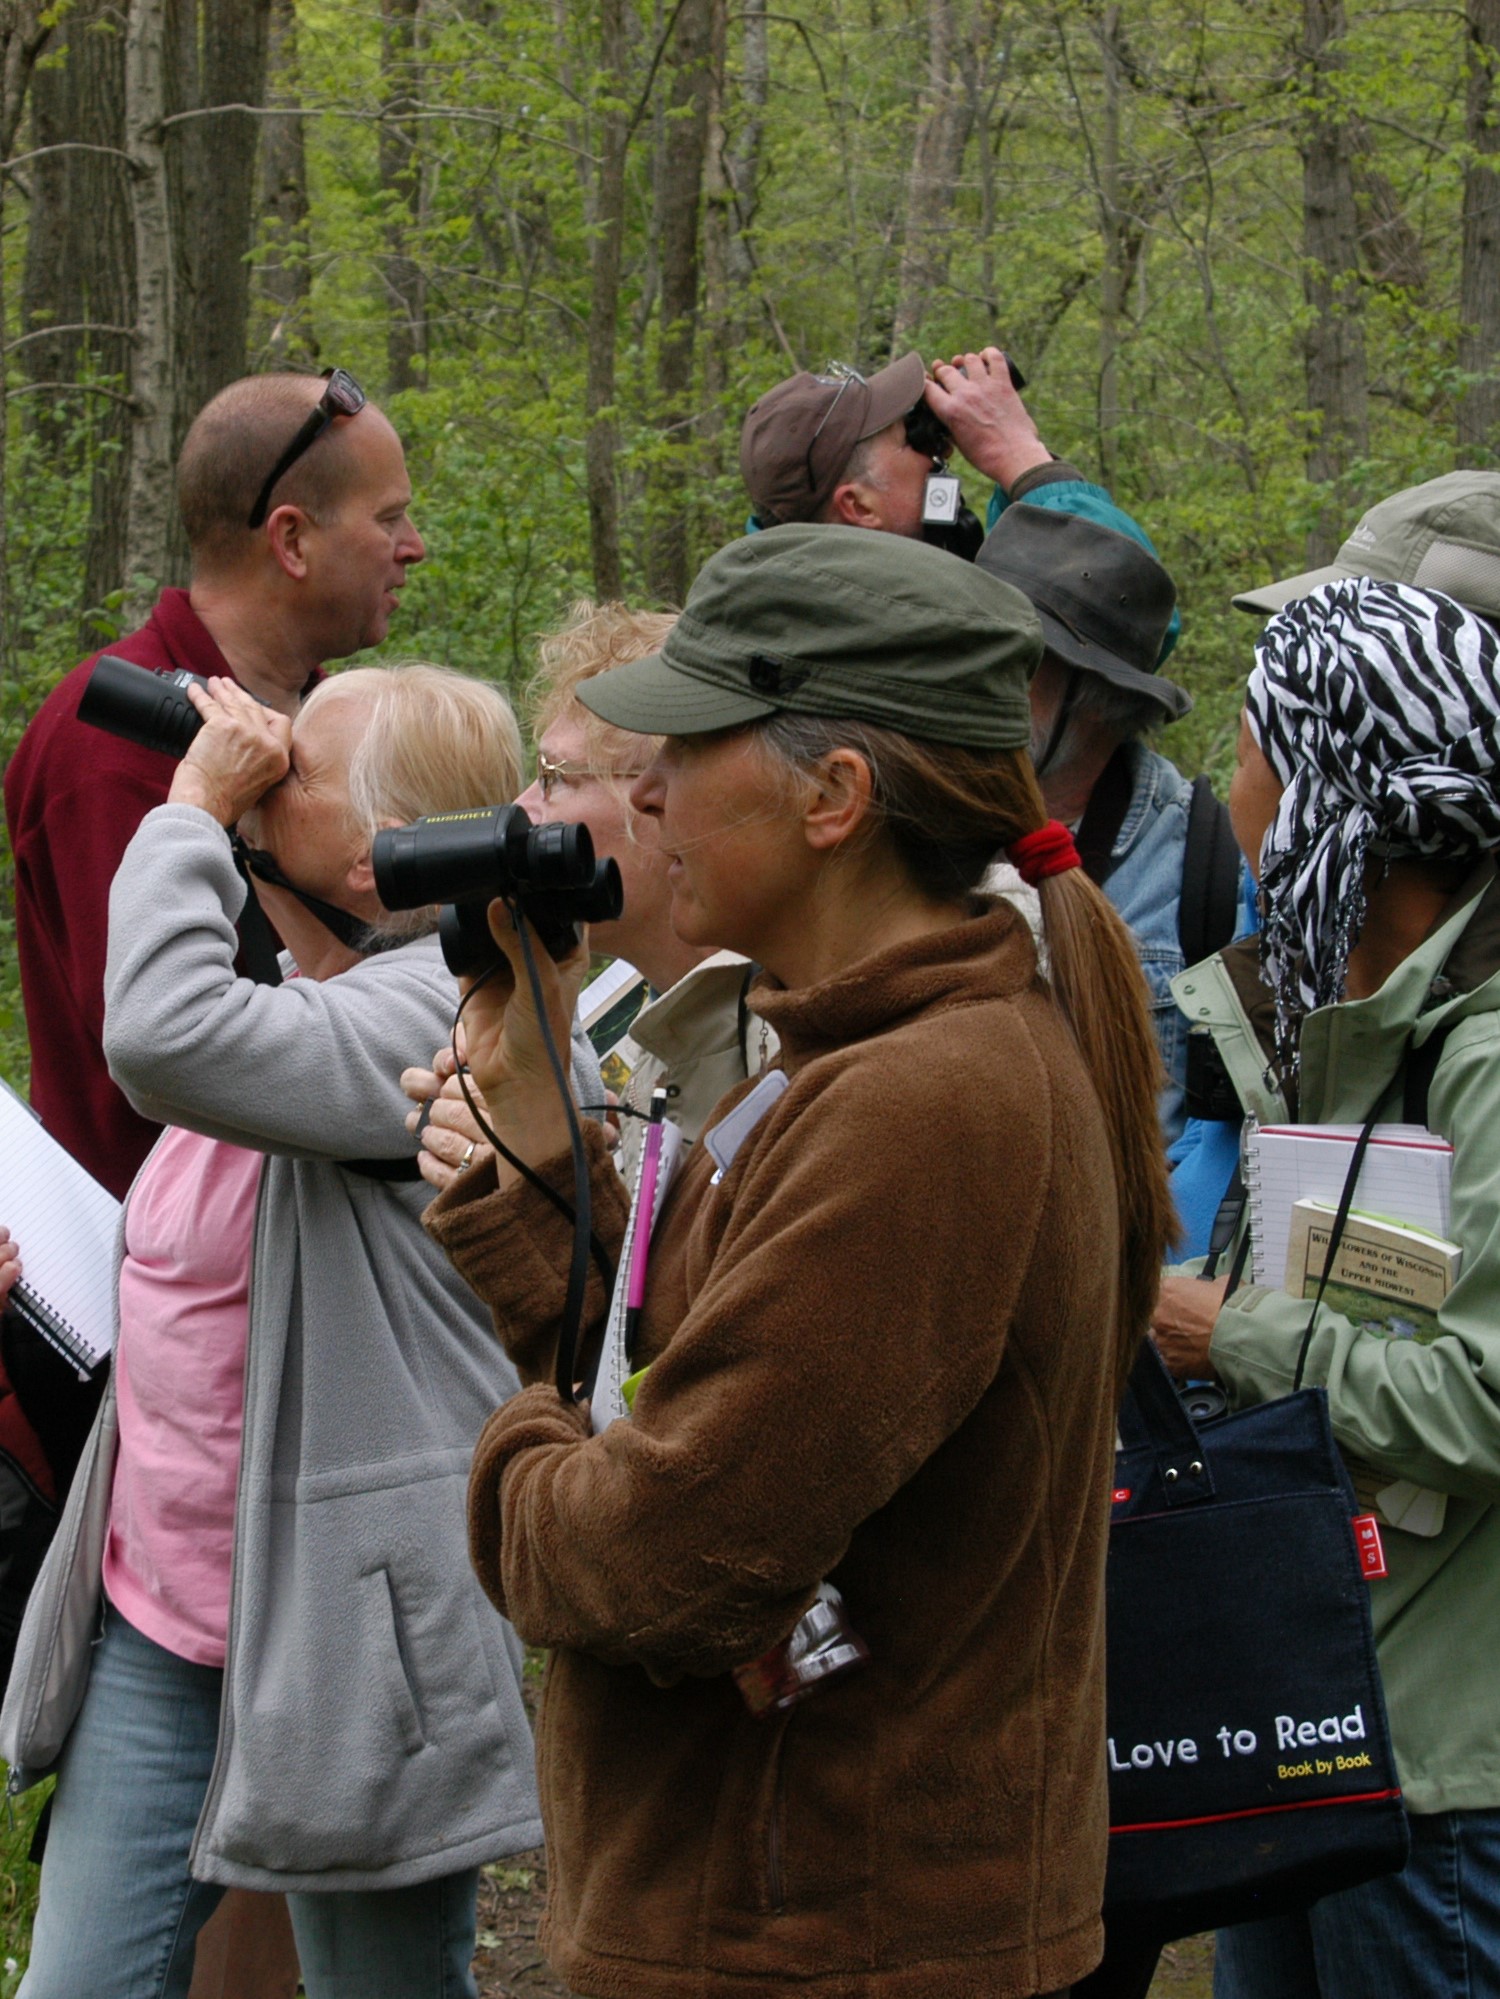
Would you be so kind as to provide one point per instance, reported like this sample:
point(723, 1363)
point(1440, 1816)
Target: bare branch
point(55, 332)
point(73, 389)
point(656, 55)
point(443, 114)
point(64, 146)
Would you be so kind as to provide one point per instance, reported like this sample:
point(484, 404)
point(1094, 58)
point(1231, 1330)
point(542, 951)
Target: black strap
point(1340, 1222)
point(257, 939)
point(1099, 828)
point(349, 929)
point(1209, 905)
point(382, 1169)
point(1152, 1416)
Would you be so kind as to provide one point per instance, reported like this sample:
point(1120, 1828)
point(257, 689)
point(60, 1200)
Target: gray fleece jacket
point(372, 1733)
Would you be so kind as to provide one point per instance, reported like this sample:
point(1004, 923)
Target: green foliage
point(1178, 141)
point(1208, 441)
point(18, 1884)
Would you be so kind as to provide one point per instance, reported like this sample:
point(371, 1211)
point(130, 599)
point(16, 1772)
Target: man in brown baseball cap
point(860, 450)
point(871, 451)
point(799, 441)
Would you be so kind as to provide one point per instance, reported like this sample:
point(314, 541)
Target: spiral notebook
point(1406, 1175)
point(65, 1225)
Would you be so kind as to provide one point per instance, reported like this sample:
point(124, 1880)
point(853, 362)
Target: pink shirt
point(180, 1384)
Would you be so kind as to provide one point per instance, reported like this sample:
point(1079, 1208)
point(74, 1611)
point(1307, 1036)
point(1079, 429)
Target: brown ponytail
point(949, 811)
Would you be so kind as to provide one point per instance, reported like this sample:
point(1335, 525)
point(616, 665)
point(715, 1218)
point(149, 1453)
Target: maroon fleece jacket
point(881, 1353)
point(73, 799)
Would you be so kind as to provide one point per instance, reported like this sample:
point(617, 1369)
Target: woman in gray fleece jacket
point(299, 1683)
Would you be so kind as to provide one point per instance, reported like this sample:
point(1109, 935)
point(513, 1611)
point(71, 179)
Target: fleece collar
point(988, 956)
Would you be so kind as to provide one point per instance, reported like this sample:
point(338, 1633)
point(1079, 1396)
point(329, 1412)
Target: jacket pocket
point(388, 1645)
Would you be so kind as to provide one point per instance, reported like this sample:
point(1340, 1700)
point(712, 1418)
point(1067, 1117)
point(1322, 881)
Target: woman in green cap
point(888, 1311)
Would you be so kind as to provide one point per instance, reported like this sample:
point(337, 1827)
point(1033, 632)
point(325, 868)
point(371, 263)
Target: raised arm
point(308, 1067)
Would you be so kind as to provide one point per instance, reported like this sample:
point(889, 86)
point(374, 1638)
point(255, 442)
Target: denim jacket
point(1145, 886)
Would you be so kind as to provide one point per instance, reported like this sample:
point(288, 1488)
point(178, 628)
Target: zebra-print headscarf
point(1379, 708)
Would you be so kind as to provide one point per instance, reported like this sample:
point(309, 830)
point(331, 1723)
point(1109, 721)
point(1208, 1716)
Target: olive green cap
point(821, 620)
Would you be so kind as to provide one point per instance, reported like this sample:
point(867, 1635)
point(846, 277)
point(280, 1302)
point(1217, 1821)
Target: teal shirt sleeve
point(1072, 494)
point(1426, 1412)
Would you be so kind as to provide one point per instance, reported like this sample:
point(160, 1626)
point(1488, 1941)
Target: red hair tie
point(1047, 851)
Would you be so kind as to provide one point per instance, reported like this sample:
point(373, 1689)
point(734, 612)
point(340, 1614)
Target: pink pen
point(640, 1247)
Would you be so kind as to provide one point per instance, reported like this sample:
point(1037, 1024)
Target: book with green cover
point(1389, 1278)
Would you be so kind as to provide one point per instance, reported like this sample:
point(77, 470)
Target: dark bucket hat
point(839, 621)
point(1104, 602)
point(797, 439)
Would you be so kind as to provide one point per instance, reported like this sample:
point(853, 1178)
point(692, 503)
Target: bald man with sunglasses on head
point(295, 498)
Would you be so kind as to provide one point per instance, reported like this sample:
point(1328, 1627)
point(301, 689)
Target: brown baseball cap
point(797, 439)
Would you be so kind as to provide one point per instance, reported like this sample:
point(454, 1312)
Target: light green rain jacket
point(1429, 1413)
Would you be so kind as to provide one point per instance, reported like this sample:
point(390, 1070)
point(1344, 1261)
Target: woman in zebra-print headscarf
point(1366, 802)
point(1377, 707)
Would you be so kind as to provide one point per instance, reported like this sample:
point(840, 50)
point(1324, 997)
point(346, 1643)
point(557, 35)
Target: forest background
point(1247, 253)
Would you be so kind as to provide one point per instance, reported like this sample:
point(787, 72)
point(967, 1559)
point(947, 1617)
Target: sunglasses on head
point(342, 397)
point(840, 372)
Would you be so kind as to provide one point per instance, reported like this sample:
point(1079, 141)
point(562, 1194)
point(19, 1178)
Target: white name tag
point(730, 1133)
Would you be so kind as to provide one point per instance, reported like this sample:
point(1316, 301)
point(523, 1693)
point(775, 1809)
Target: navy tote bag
point(1250, 1765)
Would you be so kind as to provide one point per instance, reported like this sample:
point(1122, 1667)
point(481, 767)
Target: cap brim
point(651, 697)
point(1273, 596)
point(1079, 652)
point(893, 391)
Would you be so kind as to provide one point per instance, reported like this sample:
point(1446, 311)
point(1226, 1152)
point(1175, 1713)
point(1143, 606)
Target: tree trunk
point(1479, 309)
point(285, 273)
point(1114, 276)
point(217, 57)
point(929, 185)
point(400, 183)
point(22, 39)
point(742, 163)
point(151, 442)
point(611, 126)
point(79, 273)
point(678, 200)
point(1337, 397)
point(718, 199)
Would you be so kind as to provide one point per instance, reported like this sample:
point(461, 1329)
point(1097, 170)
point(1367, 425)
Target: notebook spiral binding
point(35, 1310)
point(1250, 1174)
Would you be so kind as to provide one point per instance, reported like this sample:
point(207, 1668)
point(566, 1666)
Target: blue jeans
point(118, 1911)
point(1430, 1932)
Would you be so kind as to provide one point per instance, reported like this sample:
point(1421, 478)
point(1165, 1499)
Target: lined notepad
point(608, 1403)
point(1407, 1174)
point(64, 1224)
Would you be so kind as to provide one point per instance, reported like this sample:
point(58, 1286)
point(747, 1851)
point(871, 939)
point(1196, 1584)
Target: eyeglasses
point(549, 775)
point(342, 397)
point(840, 372)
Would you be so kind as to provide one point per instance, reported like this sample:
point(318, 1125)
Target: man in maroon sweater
point(317, 578)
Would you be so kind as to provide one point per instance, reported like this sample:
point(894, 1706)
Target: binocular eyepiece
point(148, 708)
point(465, 859)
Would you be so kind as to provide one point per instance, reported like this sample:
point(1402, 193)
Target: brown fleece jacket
point(881, 1354)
